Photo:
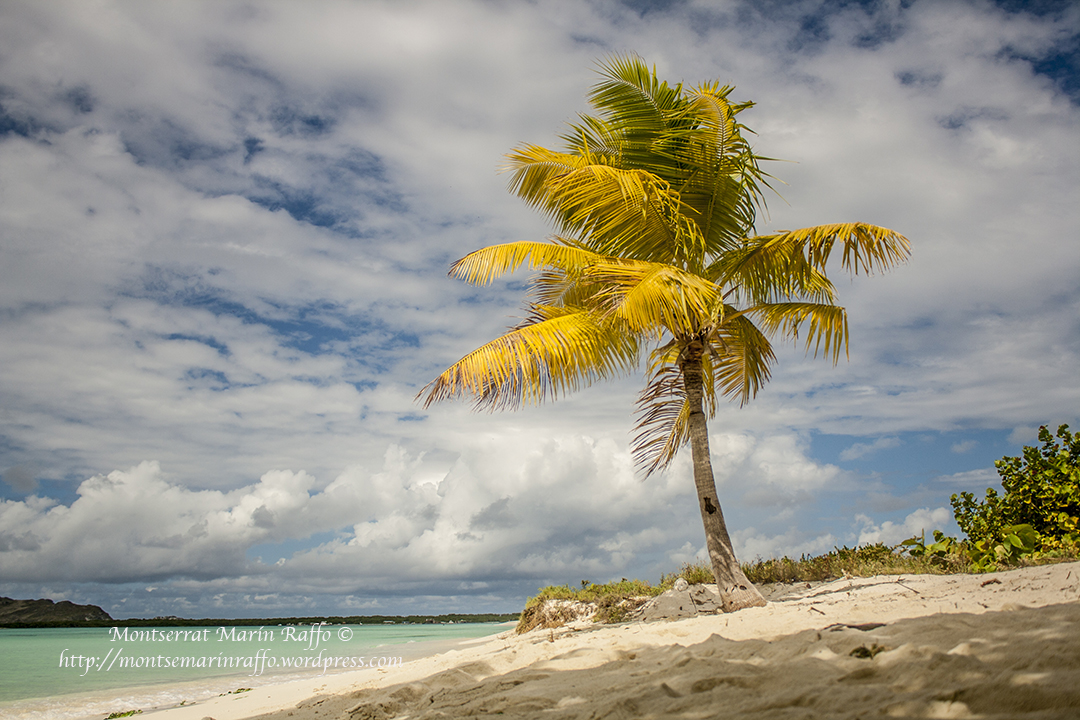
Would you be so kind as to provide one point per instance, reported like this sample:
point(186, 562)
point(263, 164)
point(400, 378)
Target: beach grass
point(864, 561)
point(615, 600)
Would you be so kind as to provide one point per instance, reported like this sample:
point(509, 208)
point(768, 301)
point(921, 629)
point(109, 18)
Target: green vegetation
point(867, 653)
point(1036, 521)
point(864, 561)
point(1038, 514)
point(39, 613)
point(591, 592)
point(613, 600)
point(129, 713)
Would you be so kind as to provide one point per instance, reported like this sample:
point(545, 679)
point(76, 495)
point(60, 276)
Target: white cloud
point(513, 508)
point(890, 533)
point(964, 446)
point(1025, 434)
point(981, 478)
point(754, 545)
point(518, 507)
point(688, 554)
point(859, 450)
point(774, 470)
point(158, 529)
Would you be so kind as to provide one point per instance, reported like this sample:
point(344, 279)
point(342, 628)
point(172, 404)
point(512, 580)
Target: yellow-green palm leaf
point(485, 265)
point(740, 358)
point(651, 298)
point(556, 351)
point(826, 329)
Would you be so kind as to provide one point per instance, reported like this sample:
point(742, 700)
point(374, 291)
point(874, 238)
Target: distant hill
point(47, 612)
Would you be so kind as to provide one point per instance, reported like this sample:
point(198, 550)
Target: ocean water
point(68, 673)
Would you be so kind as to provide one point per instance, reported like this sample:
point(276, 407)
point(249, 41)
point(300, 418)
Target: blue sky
point(224, 235)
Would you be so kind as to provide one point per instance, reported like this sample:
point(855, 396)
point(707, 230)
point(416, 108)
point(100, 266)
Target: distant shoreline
point(444, 619)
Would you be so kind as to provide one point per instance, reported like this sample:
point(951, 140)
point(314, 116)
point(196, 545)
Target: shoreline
point(154, 697)
point(914, 629)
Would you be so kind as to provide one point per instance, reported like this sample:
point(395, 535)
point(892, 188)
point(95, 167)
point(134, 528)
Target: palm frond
point(653, 297)
point(726, 200)
point(554, 352)
point(592, 137)
point(630, 97)
point(615, 210)
point(663, 410)
point(662, 427)
point(629, 213)
point(769, 269)
point(482, 266)
point(866, 248)
point(533, 169)
point(739, 360)
point(827, 330)
point(648, 116)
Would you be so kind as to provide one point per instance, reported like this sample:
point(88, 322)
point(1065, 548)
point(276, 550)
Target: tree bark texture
point(736, 592)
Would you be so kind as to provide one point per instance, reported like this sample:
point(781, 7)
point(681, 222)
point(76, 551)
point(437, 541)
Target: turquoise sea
point(69, 673)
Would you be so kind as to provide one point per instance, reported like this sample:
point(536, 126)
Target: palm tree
point(654, 200)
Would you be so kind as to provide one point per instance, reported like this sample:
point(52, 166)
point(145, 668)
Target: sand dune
point(1003, 645)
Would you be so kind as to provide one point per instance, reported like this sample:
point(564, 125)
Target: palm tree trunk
point(736, 592)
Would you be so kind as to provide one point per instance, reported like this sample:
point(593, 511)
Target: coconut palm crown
point(655, 258)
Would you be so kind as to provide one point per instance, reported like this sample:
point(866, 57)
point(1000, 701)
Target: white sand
point(1001, 645)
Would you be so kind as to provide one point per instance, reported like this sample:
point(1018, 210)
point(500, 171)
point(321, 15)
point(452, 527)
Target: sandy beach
point(1000, 645)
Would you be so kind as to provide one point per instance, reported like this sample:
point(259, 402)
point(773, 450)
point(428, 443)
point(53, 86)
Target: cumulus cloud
point(511, 511)
point(135, 524)
point(774, 470)
point(525, 508)
point(916, 523)
point(753, 544)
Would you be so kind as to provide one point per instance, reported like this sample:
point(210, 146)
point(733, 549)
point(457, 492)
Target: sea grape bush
point(1041, 490)
point(1018, 542)
point(936, 553)
point(1038, 514)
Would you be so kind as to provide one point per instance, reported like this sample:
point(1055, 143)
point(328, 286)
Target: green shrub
point(1018, 542)
point(593, 592)
point(614, 600)
point(1039, 509)
point(940, 552)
